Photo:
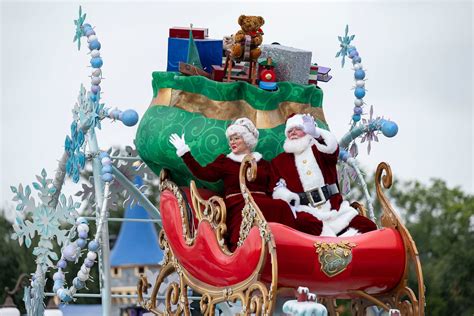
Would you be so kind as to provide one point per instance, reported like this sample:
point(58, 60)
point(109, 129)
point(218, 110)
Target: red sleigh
point(370, 269)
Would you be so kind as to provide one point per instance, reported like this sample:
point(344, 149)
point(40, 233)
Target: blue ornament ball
point(359, 93)
point(93, 245)
point(356, 117)
point(353, 53)
point(95, 88)
point(389, 128)
point(106, 169)
point(57, 285)
point(359, 74)
point(96, 62)
point(58, 276)
point(129, 117)
point(115, 114)
point(82, 235)
point(357, 110)
point(106, 161)
point(88, 263)
point(103, 154)
point(89, 31)
point(78, 284)
point(81, 243)
point(356, 60)
point(343, 155)
point(107, 177)
point(95, 44)
point(62, 264)
point(93, 97)
point(65, 295)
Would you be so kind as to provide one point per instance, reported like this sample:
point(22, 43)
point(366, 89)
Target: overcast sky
point(418, 58)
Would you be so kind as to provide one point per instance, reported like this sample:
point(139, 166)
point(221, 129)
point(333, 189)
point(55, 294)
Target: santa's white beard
point(297, 146)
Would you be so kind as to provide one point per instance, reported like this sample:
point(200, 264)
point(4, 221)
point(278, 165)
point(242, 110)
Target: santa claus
point(305, 176)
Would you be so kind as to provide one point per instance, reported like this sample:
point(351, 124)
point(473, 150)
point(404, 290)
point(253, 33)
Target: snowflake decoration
point(118, 192)
point(88, 111)
point(346, 175)
point(345, 45)
point(74, 147)
point(372, 129)
point(79, 31)
point(45, 221)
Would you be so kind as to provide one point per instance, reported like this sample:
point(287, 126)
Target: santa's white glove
point(179, 144)
point(310, 126)
point(293, 200)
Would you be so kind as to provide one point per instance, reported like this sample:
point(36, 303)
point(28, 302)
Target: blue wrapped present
point(210, 52)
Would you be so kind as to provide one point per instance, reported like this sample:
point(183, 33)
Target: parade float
point(208, 84)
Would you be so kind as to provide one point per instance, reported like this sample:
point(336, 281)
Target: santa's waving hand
point(305, 176)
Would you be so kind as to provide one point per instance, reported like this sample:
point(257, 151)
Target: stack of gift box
point(210, 50)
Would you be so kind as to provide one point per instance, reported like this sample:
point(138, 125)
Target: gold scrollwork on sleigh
point(256, 297)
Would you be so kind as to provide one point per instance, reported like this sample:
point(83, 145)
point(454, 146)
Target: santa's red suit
point(227, 168)
point(308, 165)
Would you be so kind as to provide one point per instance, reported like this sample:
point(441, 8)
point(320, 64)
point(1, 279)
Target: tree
point(441, 221)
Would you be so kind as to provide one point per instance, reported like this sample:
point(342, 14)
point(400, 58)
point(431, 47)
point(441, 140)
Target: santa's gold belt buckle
point(311, 200)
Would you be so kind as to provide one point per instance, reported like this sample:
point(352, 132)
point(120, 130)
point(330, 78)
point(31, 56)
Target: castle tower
point(135, 251)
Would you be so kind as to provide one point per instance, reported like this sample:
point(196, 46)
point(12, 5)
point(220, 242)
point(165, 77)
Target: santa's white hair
point(246, 129)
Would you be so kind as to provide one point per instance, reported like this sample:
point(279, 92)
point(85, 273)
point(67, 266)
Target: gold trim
point(212, 211)
point(401, 297)
point(231, 110)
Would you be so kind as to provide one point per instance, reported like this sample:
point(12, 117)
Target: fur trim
point(331, 143)
point(239, 158)
point(182, 150)
point(334, 219)
point(309, 173)
point(294, 121)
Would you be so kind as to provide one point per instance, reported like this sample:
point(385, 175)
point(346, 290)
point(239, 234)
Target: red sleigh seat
point(371, 268)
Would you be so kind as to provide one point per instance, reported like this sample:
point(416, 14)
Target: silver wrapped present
point(292, 64)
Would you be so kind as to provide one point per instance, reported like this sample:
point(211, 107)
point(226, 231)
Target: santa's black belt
point(318, 196)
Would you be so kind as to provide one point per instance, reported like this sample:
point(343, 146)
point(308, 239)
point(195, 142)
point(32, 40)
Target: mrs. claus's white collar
point(239, 158)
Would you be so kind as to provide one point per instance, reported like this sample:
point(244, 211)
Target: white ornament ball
point(95, 53)
point(91, 38)
point(360, 83)
point(83, 228)
point(357, 66)
point(85, 269)
point(97, 72)
point(95, 80)
point(358, 102)
point(91, 255)
point(82, 276)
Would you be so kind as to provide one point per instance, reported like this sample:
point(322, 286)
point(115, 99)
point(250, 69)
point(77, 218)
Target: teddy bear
point(250, 25)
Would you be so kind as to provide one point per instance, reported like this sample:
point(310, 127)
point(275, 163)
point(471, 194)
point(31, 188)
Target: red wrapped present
point(183, 32)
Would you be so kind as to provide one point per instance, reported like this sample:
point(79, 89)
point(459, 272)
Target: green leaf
point(43, 173)
point(14, 190)
point(37, 186)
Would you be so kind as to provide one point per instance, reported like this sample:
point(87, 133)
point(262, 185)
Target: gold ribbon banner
point(231, 110)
